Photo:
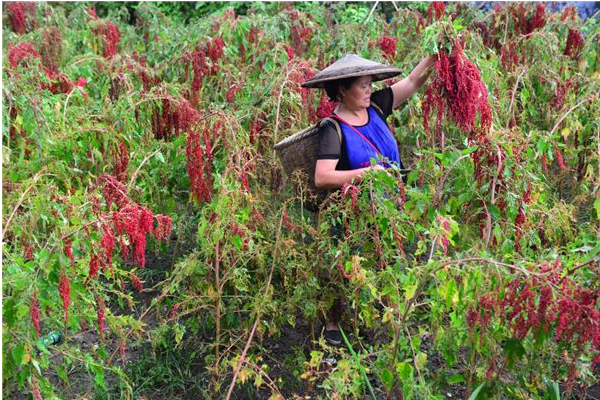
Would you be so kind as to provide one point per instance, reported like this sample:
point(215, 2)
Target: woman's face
point(359, 94)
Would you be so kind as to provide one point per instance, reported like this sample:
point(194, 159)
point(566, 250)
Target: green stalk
point(363, 373)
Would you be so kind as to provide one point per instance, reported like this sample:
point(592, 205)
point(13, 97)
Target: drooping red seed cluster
point(134, 221)
point(34, 312)
point(64, 289)
point(101, 307)
point(130, 219)
point(481, 316)
point(199, 163)
point(290, 53)
point(197, 59)
point(63, 84)
point(398, 239)
point(107, 243)
point(121, 162)
point(143, 73)
point(509, 56)
point(524, 23)
point(527, 193)
point(484, 32)
point(561, 91)
point(20, 53)
point(164, 226)
point(435, 10)
point(458, 93)
point(117, 86)
point(326, 106)
point(570, 11)
point(236, 230)
point(92, 12)
point(445, 225)
point(519, 222)
point(559, 159)
point(21, 15)
point(233, 91)
point(51, 48)
point(69, 250)
point(136, 282)
point(574, 44)
point(420, 22)
point(350, 190)
point(544, 160)
point(110, 35)
point(257, 125)
point(300, 71)
point(543, 300)
point(114, 192)
point(388, 45)
point(214, 49)
point(174, 118)
point(300, 33)
point(539, 19)
point(94, 267)
point(23, 53)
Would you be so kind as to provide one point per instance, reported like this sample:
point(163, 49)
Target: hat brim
point(378, 74)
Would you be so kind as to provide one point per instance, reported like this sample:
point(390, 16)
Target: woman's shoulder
point(328, 123)
point(329, 126)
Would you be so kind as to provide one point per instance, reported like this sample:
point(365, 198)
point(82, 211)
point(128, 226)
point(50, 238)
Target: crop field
point(155, 248)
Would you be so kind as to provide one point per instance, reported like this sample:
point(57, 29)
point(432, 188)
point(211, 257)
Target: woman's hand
point(327, 177)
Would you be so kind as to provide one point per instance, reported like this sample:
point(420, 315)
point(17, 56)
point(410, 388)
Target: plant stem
point(218, 305)
point(363, 373)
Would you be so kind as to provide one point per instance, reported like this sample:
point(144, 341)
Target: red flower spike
point(559, 159)
point(69, 251)
point(101, 316)
point(163, 228)
point(110, 35)
point(290, 52)
point(94, 268)
point(108, 243)
point(574, 44)
point(64, 289)
point(214, 49)
point(137, 284)
point(34, 312)
point(445, 224)
point(20, 53)
point(19, 13)
point(388, 45)
point(436, 9)
point(349, 189)
point(121, 162)
point(92, 12)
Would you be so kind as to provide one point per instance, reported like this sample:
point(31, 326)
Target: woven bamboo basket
point(298, 155)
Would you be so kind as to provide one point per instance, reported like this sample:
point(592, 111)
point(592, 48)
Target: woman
point(361, 115)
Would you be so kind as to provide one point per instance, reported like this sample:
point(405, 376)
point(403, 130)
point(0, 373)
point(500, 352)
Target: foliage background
point(241, 285)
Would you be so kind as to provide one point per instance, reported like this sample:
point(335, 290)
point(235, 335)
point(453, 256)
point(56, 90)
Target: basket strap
point(375, 106)
point(359, 134)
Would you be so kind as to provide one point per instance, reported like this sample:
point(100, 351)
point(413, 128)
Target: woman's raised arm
point(408, 86)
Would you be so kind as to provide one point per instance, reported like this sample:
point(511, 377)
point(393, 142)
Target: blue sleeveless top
point(376, 130)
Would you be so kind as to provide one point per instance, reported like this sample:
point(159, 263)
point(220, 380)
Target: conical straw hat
point(351, 66)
